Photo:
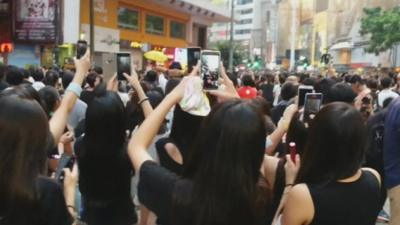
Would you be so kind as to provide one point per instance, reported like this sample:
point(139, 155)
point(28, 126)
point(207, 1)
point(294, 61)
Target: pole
point(56, 50)
point(231, 37)
point(293, 36)
point(91, 15)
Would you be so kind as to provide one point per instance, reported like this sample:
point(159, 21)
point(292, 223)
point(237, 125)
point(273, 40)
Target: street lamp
point(231, 37)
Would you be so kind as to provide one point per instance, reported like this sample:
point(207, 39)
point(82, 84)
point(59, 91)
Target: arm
point(299, 208)
point(149, 128)
point(145, 104)
point(59, 120)
point(70, 182)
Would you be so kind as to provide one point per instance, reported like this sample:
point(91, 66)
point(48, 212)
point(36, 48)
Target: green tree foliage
point(383, 28)
point(239, 53)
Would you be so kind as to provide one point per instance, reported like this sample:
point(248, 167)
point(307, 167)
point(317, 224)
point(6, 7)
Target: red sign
point(6, 48)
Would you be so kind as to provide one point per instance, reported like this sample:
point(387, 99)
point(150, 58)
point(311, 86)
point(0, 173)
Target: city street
point(199, 112)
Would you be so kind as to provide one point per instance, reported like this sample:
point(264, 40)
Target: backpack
point(374, 151)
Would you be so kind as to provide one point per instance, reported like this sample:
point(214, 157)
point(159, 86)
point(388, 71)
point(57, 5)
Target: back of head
point(91, 79)
point(340, 92)
point(386, 82)
point(151, 76)
point(37, 75)
point(67, 78)
point(23, 139)
point(175, 66)
point(230, 146)
point(356, 79)
point(14, 76)
point(289, 91)
point(323, 86)
point(335, 146)
point(248, 81)
point(98, 70)
point(171, 84)
point(50, 98)
point(27, 73)
point(105, 123)
point(51, 78)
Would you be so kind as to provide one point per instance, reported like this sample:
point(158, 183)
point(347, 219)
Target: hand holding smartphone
point(81, 48)
point(123, 65)
point(312, 105)
point(210, 69)
point(66, 161)
point(303, 90)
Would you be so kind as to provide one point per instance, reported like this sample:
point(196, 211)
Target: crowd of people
point(158, 149)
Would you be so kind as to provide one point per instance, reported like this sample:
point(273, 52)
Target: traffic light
point(6, 47)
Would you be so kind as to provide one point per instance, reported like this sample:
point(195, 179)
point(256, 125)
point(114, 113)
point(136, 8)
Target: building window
point(246, 11)
point(245, 21)
point(154, 25)
point(246, 31)
point(128, 19)
point(242, 2)
point(177, 30)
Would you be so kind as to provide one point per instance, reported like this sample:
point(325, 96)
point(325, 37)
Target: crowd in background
point(154, 149)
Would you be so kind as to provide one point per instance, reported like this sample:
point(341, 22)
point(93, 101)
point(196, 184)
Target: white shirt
point(38, 85)
point(385, 94)
point(277, 93)
point(162, 81)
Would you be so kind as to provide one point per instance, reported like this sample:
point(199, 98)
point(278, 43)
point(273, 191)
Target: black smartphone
point(193, 56)
point(66, 161)
point(210, 68)
point(81, 48)
point(303, 90)
point(312, 105)
point(123, 65)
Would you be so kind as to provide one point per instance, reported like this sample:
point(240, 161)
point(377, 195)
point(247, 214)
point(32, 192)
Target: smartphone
point(81, 48)
point(123, 65)
point(293, 151)
point(193, 56)
point(210, 68)
point(66, 161)
point(303, 90)
point(312, 105)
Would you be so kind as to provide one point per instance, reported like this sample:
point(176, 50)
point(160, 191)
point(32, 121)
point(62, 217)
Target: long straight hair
point(23, 138)
point(335, 146)
point(223, 172)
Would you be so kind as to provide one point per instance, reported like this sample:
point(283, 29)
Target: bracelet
point(75, 88)
point(143, 100)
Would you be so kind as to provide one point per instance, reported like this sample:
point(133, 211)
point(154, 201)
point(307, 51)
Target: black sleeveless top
point(346, 203)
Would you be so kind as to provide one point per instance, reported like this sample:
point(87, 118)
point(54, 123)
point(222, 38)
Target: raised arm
point(59, 120)
point(143, 100)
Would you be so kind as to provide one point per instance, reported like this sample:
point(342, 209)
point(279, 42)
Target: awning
point(200, 8)
point(342, 45)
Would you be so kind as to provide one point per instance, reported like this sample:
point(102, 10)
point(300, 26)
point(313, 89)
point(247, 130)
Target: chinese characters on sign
point(35, 21)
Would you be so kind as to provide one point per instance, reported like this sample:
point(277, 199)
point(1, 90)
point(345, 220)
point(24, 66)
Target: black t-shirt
point(50, 208)
point(268, 94)
point(105, 184)
point(87, 96)
point(156, 189)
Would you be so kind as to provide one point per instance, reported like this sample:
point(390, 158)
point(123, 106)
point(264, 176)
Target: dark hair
point(386, 82)
point(297, 133)
point(356, 79)
point(247, 80)
point(67, 78)
point(105, 123)
point(151, 76)
point(26, 73)
point(175, 65)
point(38, 75)
point(14, 76)
point(49, 98)
point(340, 92)
point(335, 146)
point(91, 79)
point(372, 84)
point(309, 81)
point(98, 70)
point(51, 78)
point(282, 78)
point(233, 78)
point(171, 84)
point(289, 91)
point(263, 105)
point(23, 140)
point(225, 167)
point(31, 92)
point(387, 102)
point(323, 86)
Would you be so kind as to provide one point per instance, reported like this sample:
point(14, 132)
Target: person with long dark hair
point(332, 187)
point(26, 195)
point(221, 183)
point(105, 170)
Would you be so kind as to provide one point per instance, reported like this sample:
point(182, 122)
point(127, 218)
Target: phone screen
point(81, 48)
point(313, 102)
point(123, 65)
point(303, 90)
point(210, 63)
point(193, 56)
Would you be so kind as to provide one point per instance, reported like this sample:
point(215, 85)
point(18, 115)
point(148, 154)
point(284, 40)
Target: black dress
point(105, 184)
point(346, 203)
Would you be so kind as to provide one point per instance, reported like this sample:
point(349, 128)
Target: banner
point(35, 21)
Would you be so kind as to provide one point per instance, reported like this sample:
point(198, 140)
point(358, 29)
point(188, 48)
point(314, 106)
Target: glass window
point(245, 21)
point(177, 30)
point(154, 25)
point(242, 2)
point(128, 19)
point(246, 11)
point(247, 31)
